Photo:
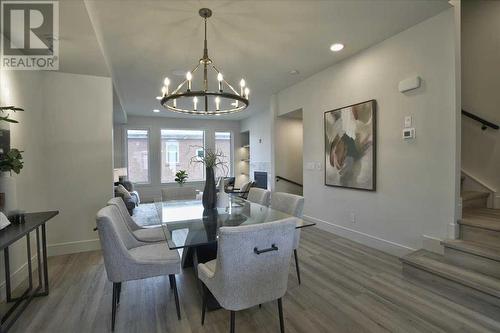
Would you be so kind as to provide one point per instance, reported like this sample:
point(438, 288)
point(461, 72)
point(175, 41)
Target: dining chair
point(251, 267)
point(243, 191)
point(126, 259)
point(150, 234)
point(178, 193)
point(259, 196)
point(291, 204)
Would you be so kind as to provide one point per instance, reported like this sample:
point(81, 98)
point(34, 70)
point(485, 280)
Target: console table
point(9, 235)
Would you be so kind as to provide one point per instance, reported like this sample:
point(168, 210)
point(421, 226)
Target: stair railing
point(485, 123)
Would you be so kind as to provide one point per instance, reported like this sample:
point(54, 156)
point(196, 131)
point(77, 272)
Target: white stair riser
point(475, 299)
point(480, 235)
point(472, 262)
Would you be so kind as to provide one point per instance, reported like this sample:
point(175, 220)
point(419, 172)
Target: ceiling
point(262, 41)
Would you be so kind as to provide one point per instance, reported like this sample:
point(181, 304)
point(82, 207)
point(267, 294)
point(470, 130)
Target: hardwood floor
point(346, 287)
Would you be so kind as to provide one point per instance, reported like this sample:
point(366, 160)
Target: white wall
point(155, 124)
point(260, 125)
point(25, 89)
point(416, 181)
point(78, 155)
point(480, 85)
point(65, 134)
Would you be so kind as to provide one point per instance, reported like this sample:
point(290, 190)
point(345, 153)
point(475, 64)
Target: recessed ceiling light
point(156, 110)
point(336, 47)
point(294, 72)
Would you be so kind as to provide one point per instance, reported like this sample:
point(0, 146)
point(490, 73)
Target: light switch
point(408, 121)
point(310, 166)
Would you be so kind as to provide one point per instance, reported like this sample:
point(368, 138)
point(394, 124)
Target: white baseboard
point(432, 244)
point(73, 247)
point(384, 245)
point(18, 276)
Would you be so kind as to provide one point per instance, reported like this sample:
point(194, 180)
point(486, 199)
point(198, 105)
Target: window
point(172, 149)
point(138, 155)
point(223, 143)
point(178, 147)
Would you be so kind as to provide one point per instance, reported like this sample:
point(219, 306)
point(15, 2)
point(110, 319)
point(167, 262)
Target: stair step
point(474, 256)
point(481, 225)
point(474, 290)
point(435, 264)
point(474, 199)
point(478, 249)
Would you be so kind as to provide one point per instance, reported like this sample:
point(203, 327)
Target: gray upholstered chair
point(152, 234)
point(126, 259)
point(294, 205)
point(259, 196)
point(178, 193)
point(251, 266)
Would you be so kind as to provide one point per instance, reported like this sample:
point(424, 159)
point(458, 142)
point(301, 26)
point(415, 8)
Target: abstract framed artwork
point(350, 146)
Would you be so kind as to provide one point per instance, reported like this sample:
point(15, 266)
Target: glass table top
point(187, 224)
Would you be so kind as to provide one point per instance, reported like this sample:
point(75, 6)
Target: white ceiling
point(144, 41)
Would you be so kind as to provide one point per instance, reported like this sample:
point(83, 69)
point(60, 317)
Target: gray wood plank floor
point(346, 287)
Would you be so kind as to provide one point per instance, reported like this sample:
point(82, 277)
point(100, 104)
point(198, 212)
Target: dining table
point(193, 230)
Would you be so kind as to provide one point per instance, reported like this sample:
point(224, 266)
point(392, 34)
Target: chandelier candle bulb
point(242, 86)
point(175, 103)
point(217, 103)
point(220, 78)
point(164, 91)
point(189, 77)
point(166, 82)
point(247, 92)
point(195, 103)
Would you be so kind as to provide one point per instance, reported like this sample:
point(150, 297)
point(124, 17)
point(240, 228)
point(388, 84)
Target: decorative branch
point(212, 159)
point(9, 108)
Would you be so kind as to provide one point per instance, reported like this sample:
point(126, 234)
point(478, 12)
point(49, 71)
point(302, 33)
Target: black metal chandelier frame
point(238, 101)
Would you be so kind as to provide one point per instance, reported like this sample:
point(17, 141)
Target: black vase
point(209, 198)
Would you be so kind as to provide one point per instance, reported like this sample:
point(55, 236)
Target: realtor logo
point(29, 35)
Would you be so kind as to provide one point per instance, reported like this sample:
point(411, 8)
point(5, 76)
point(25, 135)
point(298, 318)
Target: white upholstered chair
point(150, 234)
point(294, 205)
point(178, 193)
point(259, 196)
point(251, 266)
point(126, 259)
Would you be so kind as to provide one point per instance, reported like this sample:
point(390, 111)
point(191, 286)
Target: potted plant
point(10, 161)
point(211, 160)
point(181, 177)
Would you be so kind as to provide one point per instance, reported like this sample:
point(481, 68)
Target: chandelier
point(203, 101)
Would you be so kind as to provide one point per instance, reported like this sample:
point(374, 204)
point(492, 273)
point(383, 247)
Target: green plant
point(12, 161)
point(181, 176)
point(212, 159)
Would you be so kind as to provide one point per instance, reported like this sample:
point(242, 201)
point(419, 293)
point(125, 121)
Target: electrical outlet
point(353, 218)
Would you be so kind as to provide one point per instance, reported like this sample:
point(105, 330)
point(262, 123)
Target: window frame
point(148, 130)
point(204, 131)
point(231, 150)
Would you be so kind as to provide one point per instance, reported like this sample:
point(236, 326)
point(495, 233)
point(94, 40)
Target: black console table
point(11, 234)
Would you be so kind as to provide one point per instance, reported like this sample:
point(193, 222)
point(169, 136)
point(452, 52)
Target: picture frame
point(350, 146)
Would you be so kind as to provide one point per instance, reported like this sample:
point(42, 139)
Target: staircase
point(469, 270)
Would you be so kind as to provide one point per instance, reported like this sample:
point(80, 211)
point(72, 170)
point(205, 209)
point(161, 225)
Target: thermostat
point(409, 133)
